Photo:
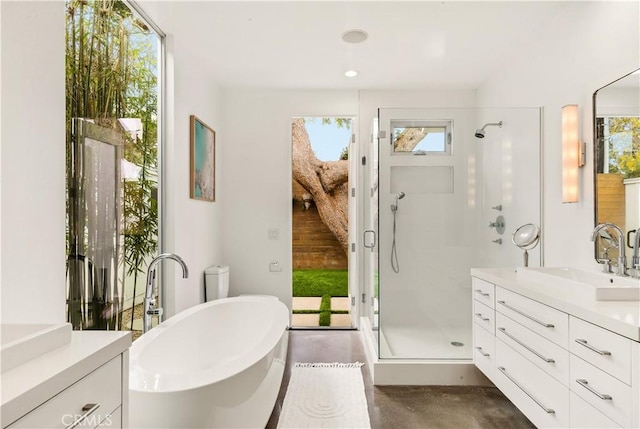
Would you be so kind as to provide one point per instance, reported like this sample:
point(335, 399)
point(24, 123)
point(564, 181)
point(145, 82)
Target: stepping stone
point(305, 320)
point(340, 303)
point(341, 320)
point(306, 303)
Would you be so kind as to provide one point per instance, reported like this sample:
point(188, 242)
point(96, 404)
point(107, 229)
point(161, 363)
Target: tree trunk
point(408, 139)
point(327, 182)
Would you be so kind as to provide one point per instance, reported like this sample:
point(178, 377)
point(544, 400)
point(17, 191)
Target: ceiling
point(298, 44)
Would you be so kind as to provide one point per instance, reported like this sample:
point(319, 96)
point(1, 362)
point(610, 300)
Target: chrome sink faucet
point(150, 308)
point(635, 259)
point(622, 259)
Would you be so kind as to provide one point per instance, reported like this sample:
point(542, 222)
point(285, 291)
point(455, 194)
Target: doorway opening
point(322, 195)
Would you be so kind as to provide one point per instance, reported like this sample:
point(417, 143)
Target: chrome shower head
point(400, 195)
point(480, 131)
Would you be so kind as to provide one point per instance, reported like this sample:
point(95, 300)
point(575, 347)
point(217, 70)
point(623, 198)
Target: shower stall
point(446, 195)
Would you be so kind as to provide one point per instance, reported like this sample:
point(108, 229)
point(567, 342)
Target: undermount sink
point(23, 342)
point(605, 287)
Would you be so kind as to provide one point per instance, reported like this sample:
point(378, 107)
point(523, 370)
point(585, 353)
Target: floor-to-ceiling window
point(113, 76)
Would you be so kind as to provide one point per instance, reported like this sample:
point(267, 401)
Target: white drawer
point(102, 386)
point(606, 393)
point(484, 355)
point(542, 319)
point(583, 415)
point(608, 351)
point(548, 356)
point(540, 397)
point(112, 421)
point(483, 291)
point(484, 316)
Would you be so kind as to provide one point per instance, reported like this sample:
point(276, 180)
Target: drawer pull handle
point(482, 352)
point(484, 319)
point(88, 410)
point(585, 384)
point(479, 291)
point(539, 322)
point(590, 347)
point(547, 410)
point(546, 359)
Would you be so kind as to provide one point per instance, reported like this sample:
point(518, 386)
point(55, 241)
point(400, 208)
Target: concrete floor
point(405, 407)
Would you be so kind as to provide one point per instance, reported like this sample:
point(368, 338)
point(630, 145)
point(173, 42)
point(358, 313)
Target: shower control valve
point(499, 224)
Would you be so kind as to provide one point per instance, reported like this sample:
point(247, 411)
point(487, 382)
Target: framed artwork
point(203, 160)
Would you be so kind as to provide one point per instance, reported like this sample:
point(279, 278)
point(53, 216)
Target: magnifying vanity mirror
point(616, 126)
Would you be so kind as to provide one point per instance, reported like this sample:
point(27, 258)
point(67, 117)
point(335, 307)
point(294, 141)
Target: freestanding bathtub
point(215, 365)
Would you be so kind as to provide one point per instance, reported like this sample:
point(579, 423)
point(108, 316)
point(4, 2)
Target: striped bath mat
point(325, 395)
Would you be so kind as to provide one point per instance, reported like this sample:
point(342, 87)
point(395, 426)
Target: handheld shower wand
point(399, 196)
point(394, 252)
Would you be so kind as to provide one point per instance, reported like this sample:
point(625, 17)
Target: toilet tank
point(216, 282)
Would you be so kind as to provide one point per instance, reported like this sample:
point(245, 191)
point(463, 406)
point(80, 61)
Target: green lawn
point(320, 282)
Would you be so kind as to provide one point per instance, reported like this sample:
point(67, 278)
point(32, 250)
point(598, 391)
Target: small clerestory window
point(423, 137)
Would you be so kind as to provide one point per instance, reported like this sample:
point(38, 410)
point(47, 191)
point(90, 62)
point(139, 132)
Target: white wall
point(588, 45)
point(256, 149)
point(33, 162)
point(192, 227)
point(509, 169)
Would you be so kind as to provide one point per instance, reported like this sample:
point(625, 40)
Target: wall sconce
point(573, 153)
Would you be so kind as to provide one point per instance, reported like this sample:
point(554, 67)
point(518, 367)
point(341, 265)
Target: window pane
point(420, 138)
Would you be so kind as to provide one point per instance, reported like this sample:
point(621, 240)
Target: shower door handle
point(364, 239)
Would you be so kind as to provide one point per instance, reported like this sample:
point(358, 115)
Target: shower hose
point(395, 266)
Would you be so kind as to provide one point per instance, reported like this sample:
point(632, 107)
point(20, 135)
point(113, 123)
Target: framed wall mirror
point(616, 122)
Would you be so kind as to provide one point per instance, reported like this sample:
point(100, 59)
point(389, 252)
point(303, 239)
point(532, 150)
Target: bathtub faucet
point(150, 308)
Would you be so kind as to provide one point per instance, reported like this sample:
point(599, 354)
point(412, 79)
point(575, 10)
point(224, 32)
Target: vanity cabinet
point(91, 401)
point(484, 327)
point(557, 368)
point(84, 385)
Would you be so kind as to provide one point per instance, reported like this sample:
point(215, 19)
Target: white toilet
point(216, 282)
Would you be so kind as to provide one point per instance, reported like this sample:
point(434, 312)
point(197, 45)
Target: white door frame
point(354, 250)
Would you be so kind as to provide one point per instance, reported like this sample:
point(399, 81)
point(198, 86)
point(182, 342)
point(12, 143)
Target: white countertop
point(28, 385)
point(621, 317)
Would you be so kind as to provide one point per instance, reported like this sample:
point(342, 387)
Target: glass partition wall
point(436, 192)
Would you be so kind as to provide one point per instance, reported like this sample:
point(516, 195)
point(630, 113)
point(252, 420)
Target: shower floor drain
point(457, 344)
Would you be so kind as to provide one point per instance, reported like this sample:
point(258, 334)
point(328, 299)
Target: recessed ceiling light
point(355, 36)
point(351, 73)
